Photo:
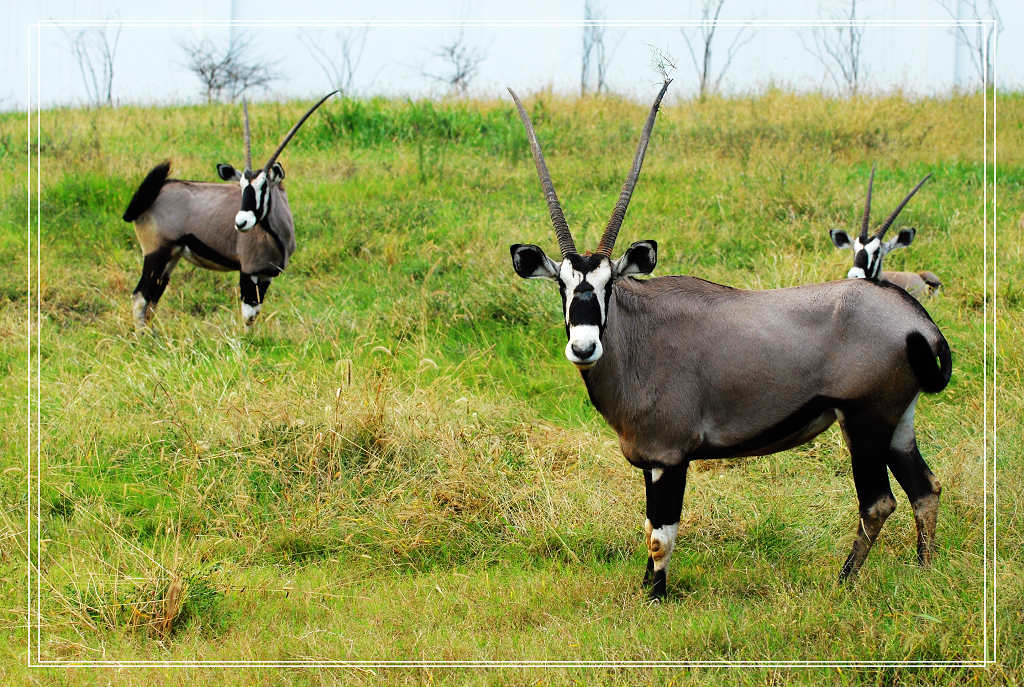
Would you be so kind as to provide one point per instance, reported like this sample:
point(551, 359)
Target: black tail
point(147, 192)
point(932, 378)
point(931, 280)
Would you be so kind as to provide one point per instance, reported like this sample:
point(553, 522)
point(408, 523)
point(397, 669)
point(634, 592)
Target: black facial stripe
point(861, 259)
point(584, 308)
point(249, 198)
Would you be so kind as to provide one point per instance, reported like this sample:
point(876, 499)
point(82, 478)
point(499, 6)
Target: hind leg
point(921, 486)
point(156, 272)
point(869, 447)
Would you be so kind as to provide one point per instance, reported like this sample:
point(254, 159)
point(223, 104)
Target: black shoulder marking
point(207, 253)
point(782, 430)
point(147, 191)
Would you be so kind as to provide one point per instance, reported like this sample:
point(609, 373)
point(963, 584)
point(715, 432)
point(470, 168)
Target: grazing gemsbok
point(683, 368)
point(868, 251)
point(201, 222)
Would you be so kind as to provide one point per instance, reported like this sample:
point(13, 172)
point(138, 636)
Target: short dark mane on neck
point(638, 295)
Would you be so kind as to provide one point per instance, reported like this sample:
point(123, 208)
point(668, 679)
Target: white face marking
point(656, 474)
point(903, 437)
point(246, 219)
point(585, 338)
point(875, 250)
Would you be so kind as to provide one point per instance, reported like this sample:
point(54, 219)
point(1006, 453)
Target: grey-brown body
point(682, 368)
point(728, 368)
point(206, 211)
point(202, 222)
point(920, 285)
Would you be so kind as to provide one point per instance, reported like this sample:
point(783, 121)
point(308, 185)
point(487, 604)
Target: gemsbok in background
point(682, 369)
point(869, 250)
point(202, 222)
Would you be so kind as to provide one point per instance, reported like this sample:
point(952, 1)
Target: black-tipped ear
point(228, 173)
point(840, 238)
point(276, 173)
point(529, 262)
point(639, 258)
point(905, 236)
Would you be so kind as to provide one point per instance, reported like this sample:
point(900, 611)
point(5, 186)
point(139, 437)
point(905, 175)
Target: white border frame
point(34, 337)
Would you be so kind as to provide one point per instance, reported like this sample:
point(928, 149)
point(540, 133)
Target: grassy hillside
point(397, 462)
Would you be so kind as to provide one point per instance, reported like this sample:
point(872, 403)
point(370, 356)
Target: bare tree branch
point(704, 38)
point(662, 62)
point(594, 44)
point(230, 71)
point(980, 45)
point(94, 51)
point(339, 64)
point(839, 50)
point(461, 62)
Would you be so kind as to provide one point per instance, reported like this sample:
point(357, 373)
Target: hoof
point(649, 573)
point(658, 586)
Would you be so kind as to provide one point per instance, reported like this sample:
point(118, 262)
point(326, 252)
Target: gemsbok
point(683, 369)
point(868, 251)
point(201, 222)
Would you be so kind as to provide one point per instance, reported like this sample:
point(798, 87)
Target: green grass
point(398, 463)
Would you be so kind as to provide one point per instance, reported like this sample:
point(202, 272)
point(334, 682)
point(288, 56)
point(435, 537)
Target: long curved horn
point(248, 147)
point(619, 213)
point(288, 136)
point(865, 223)
point(562, 233)
point(888, 222)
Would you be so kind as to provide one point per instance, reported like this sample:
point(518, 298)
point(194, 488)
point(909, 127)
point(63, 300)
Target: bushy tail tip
point(147, 192)
point(932, 378)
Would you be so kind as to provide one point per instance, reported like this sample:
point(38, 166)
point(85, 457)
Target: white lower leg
point(660, 543)
point(249, 312)
point(139, 310)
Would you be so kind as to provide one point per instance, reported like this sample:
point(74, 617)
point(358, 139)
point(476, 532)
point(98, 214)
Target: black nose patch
point(861, 259)
point(584, 308)
point(249, 199)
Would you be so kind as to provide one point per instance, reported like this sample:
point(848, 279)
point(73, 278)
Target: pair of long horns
point(284, 142)
point(611, 231)
point(865, 224)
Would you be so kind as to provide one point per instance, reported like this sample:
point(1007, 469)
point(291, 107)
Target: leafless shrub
point(461, 64)
point(978, 39)
point(593, 48)
point(704, 37)
point(94, 50)
point(340, 57)
point(839, 49)
point(662, 62)
point(227, 71)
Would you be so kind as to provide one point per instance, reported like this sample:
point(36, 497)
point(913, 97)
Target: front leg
point(253, 289)
point(664, 488)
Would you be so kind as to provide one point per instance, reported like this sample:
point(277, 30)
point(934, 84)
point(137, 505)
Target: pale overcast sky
point(909, 48)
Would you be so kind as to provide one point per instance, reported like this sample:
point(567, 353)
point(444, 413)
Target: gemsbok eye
point(684, 369)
